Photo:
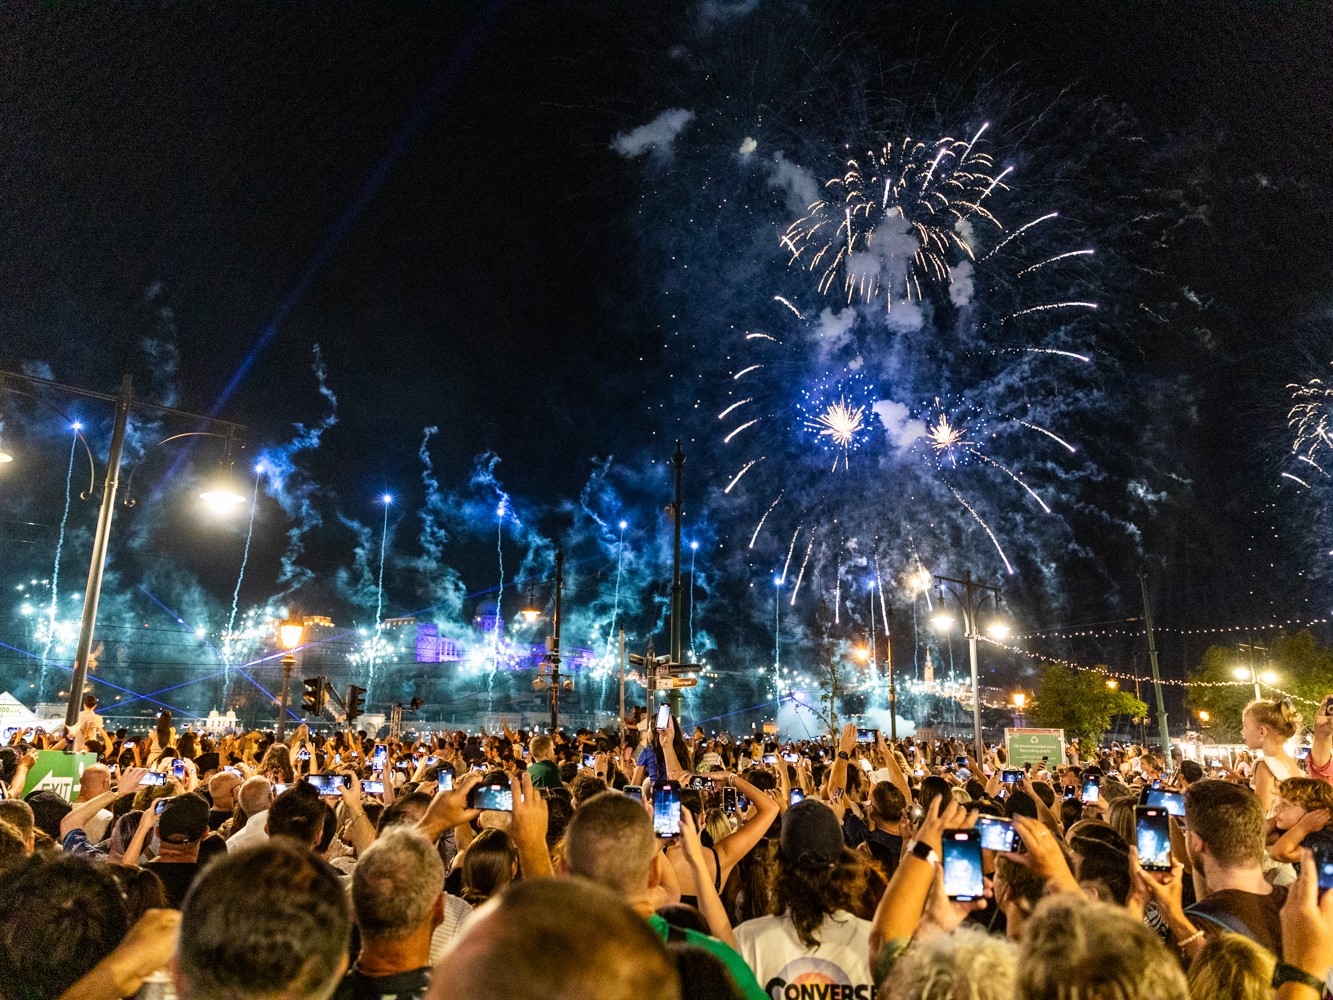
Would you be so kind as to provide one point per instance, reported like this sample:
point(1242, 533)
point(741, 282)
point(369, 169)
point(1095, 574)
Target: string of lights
point(1122, 676)
point(1111, 633)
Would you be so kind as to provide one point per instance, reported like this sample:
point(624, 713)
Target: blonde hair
point(1279, 716)
point(1232, 966)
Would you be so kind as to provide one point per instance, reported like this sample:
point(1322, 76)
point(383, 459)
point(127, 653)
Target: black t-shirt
point(177, 877)
point(886, 848)
point(216, 817)
point(409, 985)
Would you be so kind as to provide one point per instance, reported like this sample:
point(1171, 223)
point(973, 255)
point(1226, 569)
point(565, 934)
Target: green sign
point(59, 772)
point(1029, 746)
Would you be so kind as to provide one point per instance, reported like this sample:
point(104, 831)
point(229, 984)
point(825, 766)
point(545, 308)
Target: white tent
point(15, 715)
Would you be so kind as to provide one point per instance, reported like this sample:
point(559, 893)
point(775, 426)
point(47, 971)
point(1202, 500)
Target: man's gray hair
point(610, 840)
point(967, 963)
point(256, 795)
point(396, 884)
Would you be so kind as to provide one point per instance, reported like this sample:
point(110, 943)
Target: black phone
point(796, 796)
point(964, 879)
point(1323, 861)
point(770, 759)
point(497, 796)
point(1172, 802)
point(303, 754)
point(636, 793)
point(1011, 776)
point(729, 800)
point(700, 783)
point(1092, 789)
point(1152, 837)
point(666, 809)
point(161, 804)
point(153, 778)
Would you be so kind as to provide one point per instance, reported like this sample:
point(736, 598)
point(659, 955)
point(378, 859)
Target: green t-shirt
point(545, 774)
point(736, 965)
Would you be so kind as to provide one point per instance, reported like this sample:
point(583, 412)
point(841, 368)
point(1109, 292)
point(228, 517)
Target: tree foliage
point(1080, 703)
point(1303, 666)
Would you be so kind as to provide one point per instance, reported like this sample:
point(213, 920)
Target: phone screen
point(379, 757)
point(997, 834)
point(770, 758)
point(497, 797)
point(303, 754)
point(865, 736)
point(796, 796)
point(666, 809)
point(590, 761)
point(1152, 837)
point(372, 787)
point(729, 800)
point(791, 758)
point(178, 767)
point(1303, 753)
point(1092, 789)
point(1011, 777)
point(446, 781)
point(329, 784)
point(663, 714)
point(162, 804)
point(963, 877)
point(1323, 859)
point(1172, 802)
point(636, 793)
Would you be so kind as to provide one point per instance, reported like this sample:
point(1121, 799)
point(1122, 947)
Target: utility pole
point(970, 609)
point(620, 725)
point(674, 696)
point(893, 688)
point(1156, 674)
point(553, 654)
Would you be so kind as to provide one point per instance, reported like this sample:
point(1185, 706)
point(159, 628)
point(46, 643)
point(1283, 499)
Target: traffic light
point(356, 702)
point(312, 698)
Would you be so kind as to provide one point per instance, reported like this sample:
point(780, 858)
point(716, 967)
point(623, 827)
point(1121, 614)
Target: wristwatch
point(1284, 973)
point(924, 851)
point(842, 755)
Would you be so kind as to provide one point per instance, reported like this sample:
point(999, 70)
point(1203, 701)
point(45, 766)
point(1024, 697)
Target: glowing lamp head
point(386, 499)
point(530, 615)
point(1112, 685)
point(624, 525)
point(1020, 700)
point(76, 426)
point(1204, 716)
point(222, 498)
point(861, 653)
point(1240, 673)
point(998, 630)
point(694, 546)
point(1268, 677)
point(941, 621)
point(289, 633)
point(777, 580)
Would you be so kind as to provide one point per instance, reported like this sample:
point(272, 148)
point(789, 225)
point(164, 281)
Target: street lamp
point(1204, 718)
point(1255, 676)
point(289, 637)
point(1020, 701)
point(861, 654)
point(124, 402)
point(1112, 685)
point(969, 600)
point(551, 679)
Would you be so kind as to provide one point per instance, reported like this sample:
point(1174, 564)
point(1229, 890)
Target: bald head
point(95, 780)
point(494, 954)
point(222, 789)
point(610, 840)
point(256, 795)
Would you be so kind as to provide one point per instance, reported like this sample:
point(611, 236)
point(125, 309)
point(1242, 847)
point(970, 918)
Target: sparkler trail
point(694, 550)
point(228, 641)
point(985, 527)
point(800, 575)
point(760, 525)
point(1050, 434)
point(55, 570)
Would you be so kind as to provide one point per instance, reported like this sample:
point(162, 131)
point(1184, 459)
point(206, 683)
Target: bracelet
point(1284, 973)
point(1186, 942)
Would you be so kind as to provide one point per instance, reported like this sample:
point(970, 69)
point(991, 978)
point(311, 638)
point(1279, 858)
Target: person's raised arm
point(1051, 821)
point(21, 774)
point(147, 948)
point(78, 817)
point(449, 809)
point(147, 820)
point(527, 829)
point(1044, 857)
point(1321, 743)
point(838, 772)
point(896, 777)
point(899, 911)
point(734, 846)
point(1287, 847)
point(360, 831)
point(1307, 936)
point(710, 903)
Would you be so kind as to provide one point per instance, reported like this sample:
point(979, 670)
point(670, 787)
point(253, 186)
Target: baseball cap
point(811, 834)
point(184, 820)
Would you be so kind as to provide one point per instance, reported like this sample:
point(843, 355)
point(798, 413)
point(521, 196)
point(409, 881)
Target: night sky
point(428, 192)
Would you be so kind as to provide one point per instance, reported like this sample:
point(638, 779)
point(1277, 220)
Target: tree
point(1303, 666)
point(828, 666)
point(1080, 703)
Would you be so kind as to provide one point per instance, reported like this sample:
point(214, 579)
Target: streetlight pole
point(968, 603)
point(1156, 674)
point(888, 658)
point(674, 696)
point(124, 402)
point(553, 655)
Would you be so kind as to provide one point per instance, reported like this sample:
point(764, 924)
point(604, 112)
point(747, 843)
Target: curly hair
point(1279, 716)
point(810, 893)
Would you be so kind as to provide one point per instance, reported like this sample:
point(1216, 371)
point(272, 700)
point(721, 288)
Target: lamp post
point(674, 696)
point(1252, 672)
point(1020, 702)
point(289, 637)
point(969, 603)
point(551, 678)
point(221, 498)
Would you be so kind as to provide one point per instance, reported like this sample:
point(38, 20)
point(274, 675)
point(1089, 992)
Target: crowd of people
point(650, 862)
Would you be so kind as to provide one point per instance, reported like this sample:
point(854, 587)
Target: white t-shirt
point(772, 948)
